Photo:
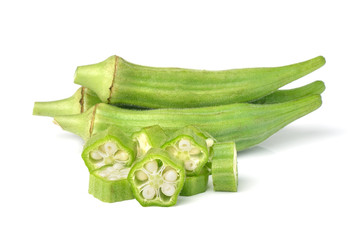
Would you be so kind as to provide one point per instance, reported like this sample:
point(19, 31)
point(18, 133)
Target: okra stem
point(117, 81)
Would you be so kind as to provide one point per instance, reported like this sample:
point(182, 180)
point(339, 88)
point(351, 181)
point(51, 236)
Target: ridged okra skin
point(189, 147)
point(157, 179)
point(117, 81)
point(149, 137)
point(196, 184)
point(79, 102)
point(244, 123)
point(110, 185)
point(108, 147)
point(224, 167)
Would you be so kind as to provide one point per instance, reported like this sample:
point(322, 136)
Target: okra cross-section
point(108, 147)
point(187, 146)
point(157, 179)
point(149, 137)
point(110, 184)
point(224, 167)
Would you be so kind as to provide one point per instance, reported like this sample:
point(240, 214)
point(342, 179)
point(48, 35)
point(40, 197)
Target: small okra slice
point(149, 137)
point(109, 183)
point(196, 184)
point(224, 167)
point(108, 147)
point(157, 178)
point(187, 146)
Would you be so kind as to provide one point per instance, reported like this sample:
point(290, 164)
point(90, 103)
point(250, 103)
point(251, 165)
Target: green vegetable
point(279, 96)
point(245, 124)
point(187, 146)
point(110, 146)
point(196, 184)
point(80, 102)
point(224, 167)
point(157, 179)
point(110, 184)
point(149, 137)
point(117, 81)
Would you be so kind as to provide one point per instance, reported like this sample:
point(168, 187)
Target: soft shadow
point(254, 151)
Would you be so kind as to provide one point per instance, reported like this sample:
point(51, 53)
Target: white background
point(302, 183)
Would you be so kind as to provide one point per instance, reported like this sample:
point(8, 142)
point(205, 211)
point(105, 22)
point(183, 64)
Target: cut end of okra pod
point(224, 167)
point(157, 179)
point(187, 146)
point(149, 137)
point(110, 147)
point(110, 184)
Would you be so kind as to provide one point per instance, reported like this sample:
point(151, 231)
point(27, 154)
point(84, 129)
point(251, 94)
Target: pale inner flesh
point(108, 153)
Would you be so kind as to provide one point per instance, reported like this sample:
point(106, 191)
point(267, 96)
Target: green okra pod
point(224, 167)
point(196, 184)
point(117, 81)
point(157, 179)
point(80, 102)
point(244, 123)
point(110, 184)
point(149, 137)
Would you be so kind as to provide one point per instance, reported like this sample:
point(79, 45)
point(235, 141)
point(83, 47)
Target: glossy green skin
point(157, 153)
point(245, 124)
point(195, 137)
point(109, 191)
point(222, 167)
point(81, 101)
point(117, 81)
point(196, 184)
point(115, 135)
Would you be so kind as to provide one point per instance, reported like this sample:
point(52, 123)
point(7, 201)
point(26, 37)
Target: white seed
point(168, 189)
point(170, 175)
point(194, 151)
point(109, 148)
point(104, 173)
point(140, 175)
point(114, 177)
point(190, 165)
point(151, 166)
point(118, 166)
point(184, 145)
point(148, 192)
point(96, 155)
point(121, 156)
point(209, 142)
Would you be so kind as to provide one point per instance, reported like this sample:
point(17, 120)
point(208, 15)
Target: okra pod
point(196, 184)
point(117, 81)
point(157, 179)
point(149, 137)
point(79, 102)
point(244, 123)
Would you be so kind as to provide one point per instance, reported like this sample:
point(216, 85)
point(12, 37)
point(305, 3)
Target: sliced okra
point(108, 147)
point(109, 183)
point(149, 137)
point(187, 146)
point(196, 184)
point(157, 179)
point(224, 167)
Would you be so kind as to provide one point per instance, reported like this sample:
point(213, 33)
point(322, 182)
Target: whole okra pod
point(117, 81)
point(244, 123)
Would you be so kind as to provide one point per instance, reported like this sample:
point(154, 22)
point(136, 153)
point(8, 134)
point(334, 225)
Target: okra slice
point(109, 183)
point(187, 146)
point(149, 137)
point(108, 147)
point(224, 167)
point(196, 184)
point(157, 179)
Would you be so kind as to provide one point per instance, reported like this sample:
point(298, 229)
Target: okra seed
point(168, 189)
point(190, 165)
point(121, 156)
point(96, 155)
point(194, 151)
point(184, 145)
point(109, 147)
point(170, 175)
point(118, 166)
point(209, 142)
point(148, 192)
point(151, 166)
point(141, 176)
point(114, 176)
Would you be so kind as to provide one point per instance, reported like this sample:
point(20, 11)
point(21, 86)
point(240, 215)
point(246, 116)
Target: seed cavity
point(109, 148)
point(170, 175)
point(168, 189)
point(141, 175)
point(151, 166)
point(184, 145)
point(121, 156)
point(190, 165)
point(149, 192)
point(194, 151)
point(96, 155)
